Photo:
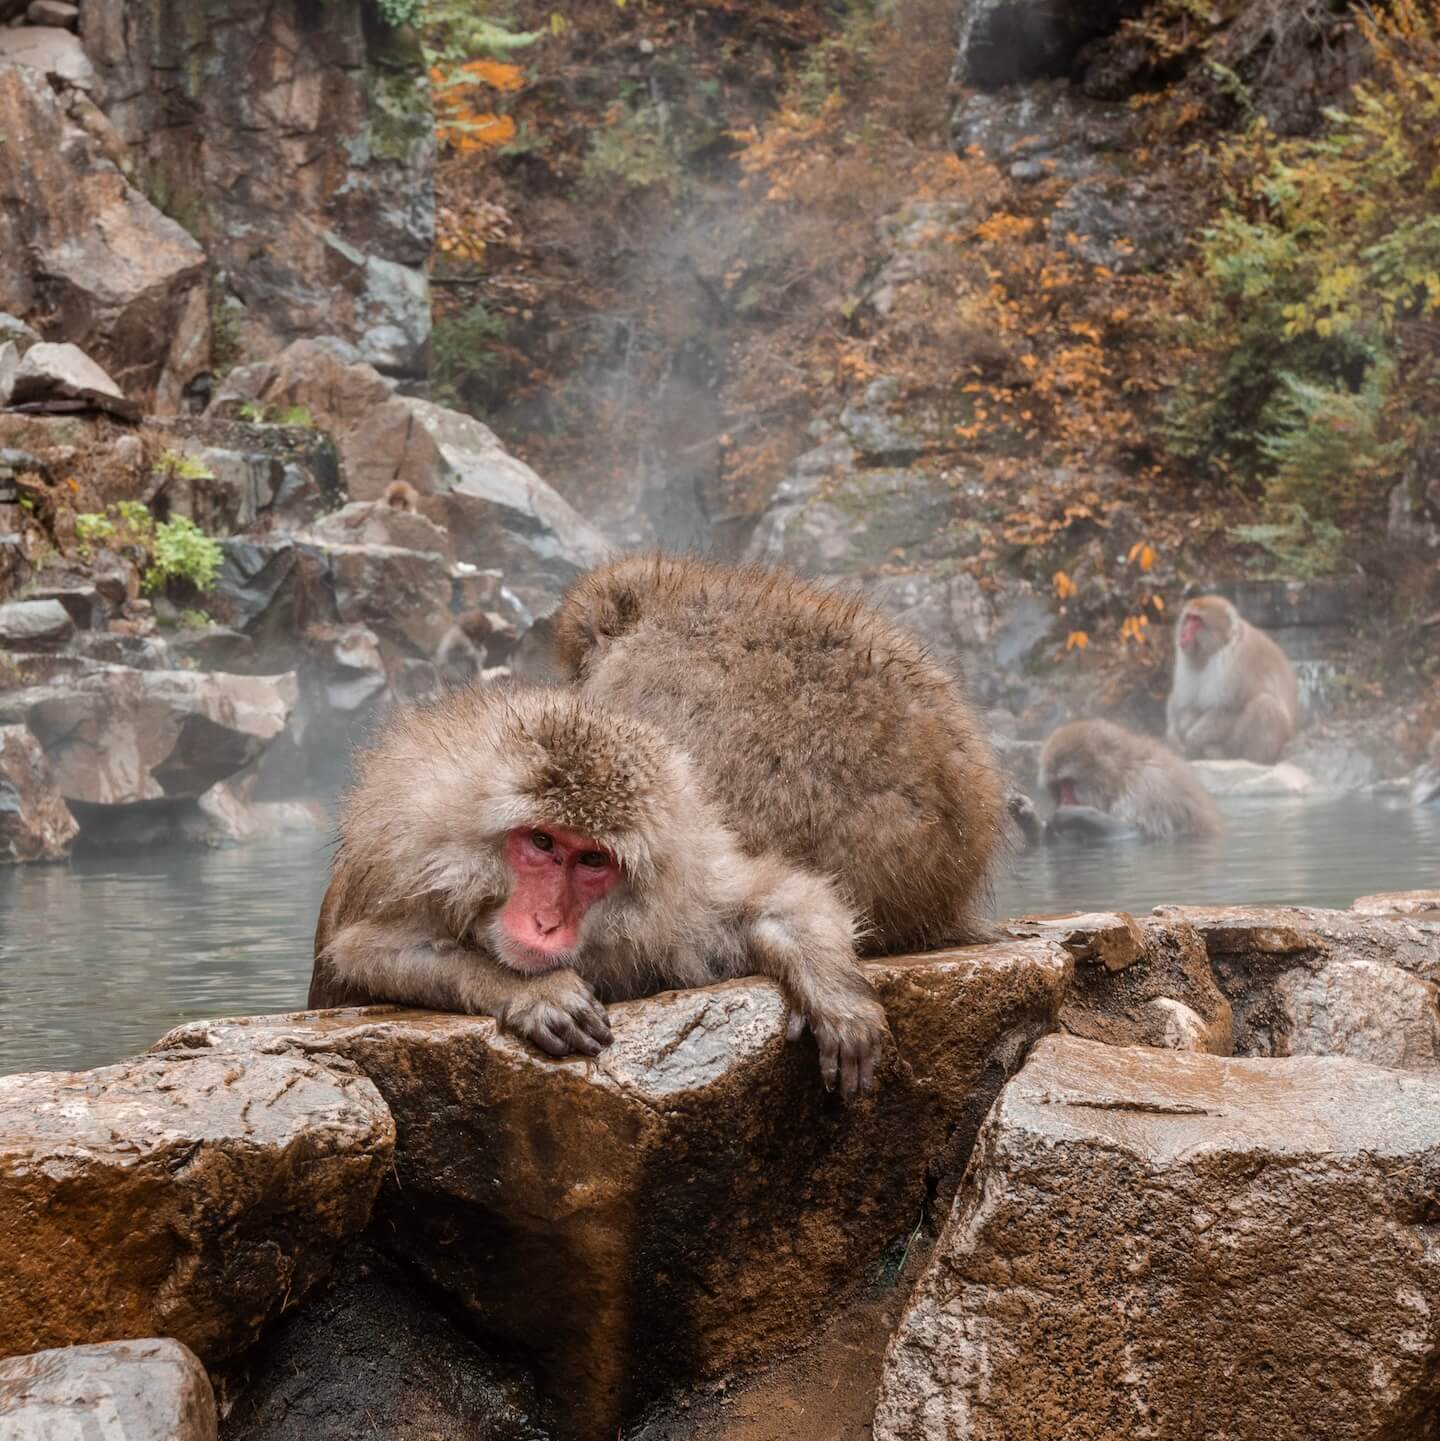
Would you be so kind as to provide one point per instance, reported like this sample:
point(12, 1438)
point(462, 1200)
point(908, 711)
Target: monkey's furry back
point(824, 731)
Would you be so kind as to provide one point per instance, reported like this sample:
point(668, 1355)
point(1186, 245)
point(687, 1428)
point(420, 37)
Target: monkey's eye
point(596, 860)
point(541, 841)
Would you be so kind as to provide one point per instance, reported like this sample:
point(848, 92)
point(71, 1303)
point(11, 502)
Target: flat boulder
point(114, 735)
point(151, 1390)
point(34, 625)
point(692, 1199)
point(1246, 778)
point(189, 1195)
point(1182, 1246)
point(35, 823)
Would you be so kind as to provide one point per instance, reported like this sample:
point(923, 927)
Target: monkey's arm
point(1088, 822)
point(1210, 729)
point(398, 961)
point(801, 936)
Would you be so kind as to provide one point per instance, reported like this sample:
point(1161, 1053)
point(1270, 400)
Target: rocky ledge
point(1189, 1164)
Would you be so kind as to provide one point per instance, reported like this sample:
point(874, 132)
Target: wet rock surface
point(35, 824)
point(1128, 1245)
point(563, 1205)
point(188, 1195)
point(151, 1390)
point(372, 1355)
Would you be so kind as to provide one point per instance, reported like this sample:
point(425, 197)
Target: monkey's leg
point(395, 961)
point(1212, 734)
point(802, 936)
point(1261, 731)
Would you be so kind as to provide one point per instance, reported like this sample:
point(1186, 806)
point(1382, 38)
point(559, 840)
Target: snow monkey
point(824, 732)
point(1104, 779)
point(525, 854)
point(1234, 693)
point(401, 495)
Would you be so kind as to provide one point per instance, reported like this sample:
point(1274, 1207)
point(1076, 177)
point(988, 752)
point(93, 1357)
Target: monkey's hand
point(850, 1034)
point(557, 1012)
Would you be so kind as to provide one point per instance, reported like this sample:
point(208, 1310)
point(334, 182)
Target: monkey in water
point(1105, 780)
point(824, 732)
point(1234, 694)
point(525, 854)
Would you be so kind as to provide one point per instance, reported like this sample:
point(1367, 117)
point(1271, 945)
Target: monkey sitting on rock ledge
point(748, 774)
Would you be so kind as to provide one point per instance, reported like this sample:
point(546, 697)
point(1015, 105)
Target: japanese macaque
point(825, 733)
point(401, 495)
point(525, 854)
point(1233, 694)
point(1105, 780)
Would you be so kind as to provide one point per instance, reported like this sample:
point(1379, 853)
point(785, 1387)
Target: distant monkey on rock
point(825, 732)
point(401, 495)
point(1105, 780)
point(525, 854)
point(1234, 693)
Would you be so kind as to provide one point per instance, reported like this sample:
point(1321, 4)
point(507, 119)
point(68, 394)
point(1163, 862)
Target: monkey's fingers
point(594, 1022)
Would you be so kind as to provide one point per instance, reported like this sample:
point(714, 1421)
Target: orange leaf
point(1076, 640)
point(1064, 586)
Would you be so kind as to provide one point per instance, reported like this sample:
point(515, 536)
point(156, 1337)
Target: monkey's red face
point(1191, 624)
point(556, 877)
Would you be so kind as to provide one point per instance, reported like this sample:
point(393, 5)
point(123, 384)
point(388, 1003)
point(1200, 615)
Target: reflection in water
point(99, 957)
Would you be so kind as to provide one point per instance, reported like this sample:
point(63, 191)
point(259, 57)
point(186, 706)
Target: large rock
point(50, 49)
point(115, 736)
point(498, 513)
point(186, 1195)
point(693, 1198)
point(153, 1390)
point(296, 142)
point(1187, 1247)
point(35, 824)
point(65, 373)
point(34, 625)
point(401, 595)
point(121, 280)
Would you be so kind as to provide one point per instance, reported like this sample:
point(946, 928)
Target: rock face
point(122, 281)
point(496, 510)
point(186, 1195)
point(35, 824)
point(618, 1222)
point(1182, 1246)
point(123, 1391)
point(295, 142)
point(65, 372)
point(115, 736)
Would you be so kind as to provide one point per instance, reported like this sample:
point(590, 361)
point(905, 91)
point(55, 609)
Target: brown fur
point(1131, 777)
point(401, 495)
point(1235, 694)
point(826, 734)
point(418, 880)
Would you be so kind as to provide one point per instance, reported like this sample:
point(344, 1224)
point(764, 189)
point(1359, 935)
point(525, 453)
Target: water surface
point(101, 956)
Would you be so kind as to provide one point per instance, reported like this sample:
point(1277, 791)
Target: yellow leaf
point(1158, 601)
point(558, 23)
point(1147, 557)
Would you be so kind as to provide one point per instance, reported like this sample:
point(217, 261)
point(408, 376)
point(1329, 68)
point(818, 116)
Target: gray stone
point(58, 13)
point(1182, 1246)
point(115, 736)
point(9, 364)
point(153, 1390)
point(50, 49)
point(14, 330)
point(65, 372)
point(34, 625)
point(35, 823)
point(1366, 1010)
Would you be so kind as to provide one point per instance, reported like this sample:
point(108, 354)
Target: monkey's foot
point(848, 1044)
point(559, 1013)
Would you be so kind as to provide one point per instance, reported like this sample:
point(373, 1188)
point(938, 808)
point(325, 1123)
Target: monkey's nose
point(547, 921)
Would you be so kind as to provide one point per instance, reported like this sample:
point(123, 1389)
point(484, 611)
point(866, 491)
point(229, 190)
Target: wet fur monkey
point(524, 854)
point(826, 733)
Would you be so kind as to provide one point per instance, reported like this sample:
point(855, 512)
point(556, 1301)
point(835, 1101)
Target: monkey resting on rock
point(750, 774)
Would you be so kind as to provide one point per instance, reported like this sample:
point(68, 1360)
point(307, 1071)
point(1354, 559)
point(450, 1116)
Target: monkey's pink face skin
point(1190, 626)
point(556, 877)
point(1063, 792)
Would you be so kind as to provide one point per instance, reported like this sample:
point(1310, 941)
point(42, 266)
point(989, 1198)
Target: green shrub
point(183, 552)
point(464, 358)
point(1317, 293)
